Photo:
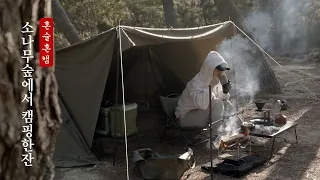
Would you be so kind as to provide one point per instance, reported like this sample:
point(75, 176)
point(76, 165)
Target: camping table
point(285, 128)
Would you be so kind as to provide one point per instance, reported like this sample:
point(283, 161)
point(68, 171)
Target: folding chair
point(169, 103)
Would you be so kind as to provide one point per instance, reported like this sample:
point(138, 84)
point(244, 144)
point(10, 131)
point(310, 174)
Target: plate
point(258, 121)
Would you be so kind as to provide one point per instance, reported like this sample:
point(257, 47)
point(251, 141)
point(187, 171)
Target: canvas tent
point(155, 61)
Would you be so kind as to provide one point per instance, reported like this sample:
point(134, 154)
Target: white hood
point(196, 94)
point(205, 76)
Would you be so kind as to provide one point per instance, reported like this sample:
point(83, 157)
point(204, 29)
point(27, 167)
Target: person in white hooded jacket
point(193, 106)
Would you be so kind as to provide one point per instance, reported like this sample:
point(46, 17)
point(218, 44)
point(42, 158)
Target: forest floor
point(290, 161)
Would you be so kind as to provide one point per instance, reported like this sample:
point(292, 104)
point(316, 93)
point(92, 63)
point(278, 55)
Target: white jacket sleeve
point(201, 98)
point(225, 97)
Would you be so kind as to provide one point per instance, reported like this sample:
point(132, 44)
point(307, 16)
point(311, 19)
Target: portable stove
point(236, 168)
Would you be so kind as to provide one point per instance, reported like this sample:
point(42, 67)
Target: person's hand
point(225, 97)
point(226, 87)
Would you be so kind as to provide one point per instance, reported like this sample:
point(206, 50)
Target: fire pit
point(227, 142)
point(234, 165)
point(242, 163)
point(230, 142)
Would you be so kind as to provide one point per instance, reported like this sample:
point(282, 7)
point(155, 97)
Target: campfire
point(226, 142)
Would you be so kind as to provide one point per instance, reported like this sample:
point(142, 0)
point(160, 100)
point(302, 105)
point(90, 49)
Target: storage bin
point(116, 120)
point(103, 124)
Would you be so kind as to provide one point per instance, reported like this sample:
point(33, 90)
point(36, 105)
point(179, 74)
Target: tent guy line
point(276, 62)
point(133, 44)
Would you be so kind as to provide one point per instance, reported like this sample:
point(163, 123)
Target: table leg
point(295, 132)
point(272, 145)
point(114, 153)
point(284, 139)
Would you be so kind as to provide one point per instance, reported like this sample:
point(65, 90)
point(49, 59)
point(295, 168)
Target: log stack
point(225, 142)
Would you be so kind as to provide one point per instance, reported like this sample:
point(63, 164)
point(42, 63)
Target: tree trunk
point(266, 6)
point(133, 8)
point(277, 16)
point(228, 10)
point(272, 8)
point(170, 13)
point(267, 77)
point(46, 112)
point(64, 24)
point(203, 4)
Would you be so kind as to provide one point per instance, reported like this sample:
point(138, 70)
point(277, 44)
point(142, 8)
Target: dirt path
point(291, 161)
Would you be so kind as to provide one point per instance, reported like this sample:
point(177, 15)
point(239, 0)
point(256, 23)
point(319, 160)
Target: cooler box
point(116, 120)
point(103, 124)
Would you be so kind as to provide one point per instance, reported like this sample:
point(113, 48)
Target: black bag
point(155, 166)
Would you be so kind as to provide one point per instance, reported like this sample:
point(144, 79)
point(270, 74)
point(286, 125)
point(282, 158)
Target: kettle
point(280, 119)
point(281, 105)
